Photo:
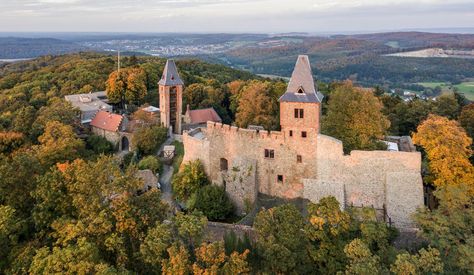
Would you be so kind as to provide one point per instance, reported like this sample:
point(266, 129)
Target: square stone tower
point(300, 105)
point(171, 97)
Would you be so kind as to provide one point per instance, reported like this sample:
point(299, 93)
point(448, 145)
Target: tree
point(99, 145)
point(427, 261)
point(127, 86)
point(190, 228)
point(257, 106)
point(449, 227)
point(281, 240)
point(355, 117)
point(178, 262)
point(149, 139)
point(10, 141)
point(58, 144)
point(57, 110)
point(361, 259)
point(189, 179)
point(213, 202)
point(10, 227)
point(211, 259)
point(466, 118)
point(17, 179)
point(328, 230)
point(447, 148)
point(447, 105)
point(150, 162)
point(154, 247)
point(24, 120)
point(82, 258)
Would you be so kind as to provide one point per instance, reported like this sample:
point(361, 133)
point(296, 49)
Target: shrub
point(189, 180)
point(149, 139)
point(213, 202)
point(99, 145)
point(150, 162)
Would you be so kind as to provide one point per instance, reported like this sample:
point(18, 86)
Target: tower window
point(291, 133)
point(280, 178)
point(299, 159)
point(300, 90)
point(269, 154)
point(299, 113)
point(303, 134)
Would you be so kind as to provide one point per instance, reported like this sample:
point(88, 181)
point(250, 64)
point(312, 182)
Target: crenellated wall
point(378, 178)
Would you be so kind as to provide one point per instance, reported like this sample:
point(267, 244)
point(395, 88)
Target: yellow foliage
point(448, 150)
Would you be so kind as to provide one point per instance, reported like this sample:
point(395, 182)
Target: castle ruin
point(300, 162)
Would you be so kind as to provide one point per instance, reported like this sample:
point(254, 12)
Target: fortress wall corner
point(404, 195)
point(195, 148)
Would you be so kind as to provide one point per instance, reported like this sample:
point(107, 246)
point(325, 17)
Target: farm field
point(466, 88)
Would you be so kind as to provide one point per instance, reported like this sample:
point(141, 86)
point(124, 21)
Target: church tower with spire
point(171, 97)
point(300, 105)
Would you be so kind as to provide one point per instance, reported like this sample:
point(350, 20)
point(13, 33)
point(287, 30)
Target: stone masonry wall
point(375, 178)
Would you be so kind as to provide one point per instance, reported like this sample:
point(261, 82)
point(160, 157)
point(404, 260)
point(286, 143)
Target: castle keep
point(299, 162)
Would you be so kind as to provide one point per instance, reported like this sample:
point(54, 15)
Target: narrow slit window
point(299, 159)
point(291, 133)
point(280, 178)
point(296, 113)
point(301, 113)
point(304, 134)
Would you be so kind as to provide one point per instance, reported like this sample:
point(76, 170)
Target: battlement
point(225, 129)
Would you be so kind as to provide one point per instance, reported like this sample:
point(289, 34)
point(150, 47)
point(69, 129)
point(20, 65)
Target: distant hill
point(419, 39)
point(14, 47)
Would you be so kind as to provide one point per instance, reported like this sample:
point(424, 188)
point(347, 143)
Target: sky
point(233, 16)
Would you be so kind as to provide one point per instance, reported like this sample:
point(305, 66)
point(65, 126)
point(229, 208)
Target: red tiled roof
point(107, 121)
point(204, 115)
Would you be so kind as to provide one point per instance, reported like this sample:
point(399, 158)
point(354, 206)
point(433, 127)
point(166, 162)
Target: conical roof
point(301, 87)
point(170, 75)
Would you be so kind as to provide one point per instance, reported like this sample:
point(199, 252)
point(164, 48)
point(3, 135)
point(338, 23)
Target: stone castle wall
point(378, 178)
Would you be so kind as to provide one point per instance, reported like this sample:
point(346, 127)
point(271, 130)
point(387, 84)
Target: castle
point(298, 161)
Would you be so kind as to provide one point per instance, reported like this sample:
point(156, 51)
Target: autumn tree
point(189, 179)
point(210, 94)
point(178, 262)
point(57, 110)
point(355, 117)
point(128, 85)
point(258, 105)
point(58, 143)
point(281, 240)
point(447, 148)
point(154, 247)
point(328, 231)
point(212, 259)
point(10, 141)
point(449, 227)
point(361, 259)
point(427, 261)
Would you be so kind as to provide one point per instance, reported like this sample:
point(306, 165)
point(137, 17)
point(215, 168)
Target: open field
point(466, 88)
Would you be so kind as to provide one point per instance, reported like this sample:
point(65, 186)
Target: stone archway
point(125, 144)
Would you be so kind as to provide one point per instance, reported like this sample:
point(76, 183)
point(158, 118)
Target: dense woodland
point(67, 205)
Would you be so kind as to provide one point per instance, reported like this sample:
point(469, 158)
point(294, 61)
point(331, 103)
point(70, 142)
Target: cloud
point(231, 15)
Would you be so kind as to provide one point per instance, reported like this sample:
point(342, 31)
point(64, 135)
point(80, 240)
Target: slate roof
point(170, 75)
point(107, 121)
point(204, 115)
point(302, 80)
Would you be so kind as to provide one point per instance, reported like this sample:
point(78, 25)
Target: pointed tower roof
point(301, 87)
point(170, 75)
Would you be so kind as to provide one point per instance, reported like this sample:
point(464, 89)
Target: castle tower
point(300, 105)
point(171, 97)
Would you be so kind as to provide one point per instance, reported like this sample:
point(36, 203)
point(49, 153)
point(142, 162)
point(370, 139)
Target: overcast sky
point(315, 16)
